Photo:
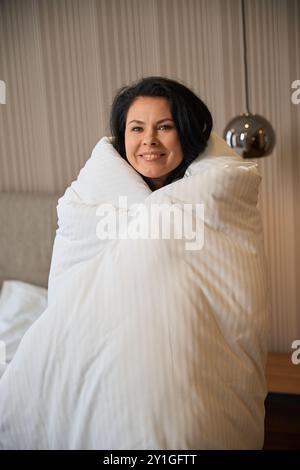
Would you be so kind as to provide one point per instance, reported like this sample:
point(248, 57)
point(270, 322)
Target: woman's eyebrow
point(142, 122)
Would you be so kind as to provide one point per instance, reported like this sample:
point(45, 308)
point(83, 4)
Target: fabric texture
point(28, 224)
point(146, 344)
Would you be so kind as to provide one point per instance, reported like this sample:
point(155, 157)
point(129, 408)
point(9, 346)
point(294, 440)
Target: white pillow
point(20, 305)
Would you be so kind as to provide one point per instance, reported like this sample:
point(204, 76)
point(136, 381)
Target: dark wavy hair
point(192, 118)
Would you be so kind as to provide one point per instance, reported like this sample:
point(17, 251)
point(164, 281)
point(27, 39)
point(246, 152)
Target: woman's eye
point(164, 126)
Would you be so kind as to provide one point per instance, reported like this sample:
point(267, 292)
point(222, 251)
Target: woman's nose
point(150, 139)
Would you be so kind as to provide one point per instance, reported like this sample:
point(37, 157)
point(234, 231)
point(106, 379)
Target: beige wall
point(63, 60)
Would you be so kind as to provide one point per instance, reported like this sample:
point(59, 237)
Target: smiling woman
point(159, 126)
point(154, 337)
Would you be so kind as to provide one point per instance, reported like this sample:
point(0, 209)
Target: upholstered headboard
point(27, 231)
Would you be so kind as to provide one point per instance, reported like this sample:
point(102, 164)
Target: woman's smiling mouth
point(149, 157)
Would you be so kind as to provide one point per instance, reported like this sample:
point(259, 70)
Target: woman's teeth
point(152, 156)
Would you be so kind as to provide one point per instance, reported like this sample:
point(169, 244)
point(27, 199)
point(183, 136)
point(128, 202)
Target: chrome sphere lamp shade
point(250, 135)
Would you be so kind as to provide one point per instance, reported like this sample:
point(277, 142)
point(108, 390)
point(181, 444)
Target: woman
point(159, 126)
point(146, 343)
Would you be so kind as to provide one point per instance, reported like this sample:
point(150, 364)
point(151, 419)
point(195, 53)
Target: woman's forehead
point(147, 106)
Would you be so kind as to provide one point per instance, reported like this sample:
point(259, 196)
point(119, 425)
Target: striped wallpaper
point(63, 60)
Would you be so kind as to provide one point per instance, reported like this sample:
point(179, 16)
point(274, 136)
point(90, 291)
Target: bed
point(28, 225)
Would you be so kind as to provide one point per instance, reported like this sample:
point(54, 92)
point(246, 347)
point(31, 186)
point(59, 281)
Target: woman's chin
point(152, 175)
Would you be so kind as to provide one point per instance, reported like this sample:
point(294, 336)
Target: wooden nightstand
point(282, 375)
point(282, 421)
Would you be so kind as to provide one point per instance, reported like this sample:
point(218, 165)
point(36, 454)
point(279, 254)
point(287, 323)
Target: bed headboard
point(27, 231)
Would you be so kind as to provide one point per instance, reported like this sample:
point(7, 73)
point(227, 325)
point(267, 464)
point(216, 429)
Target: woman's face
point(151, 140)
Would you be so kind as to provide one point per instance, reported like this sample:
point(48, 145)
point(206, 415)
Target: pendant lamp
point(250, 135)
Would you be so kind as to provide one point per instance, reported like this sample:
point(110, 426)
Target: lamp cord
point(245, 57)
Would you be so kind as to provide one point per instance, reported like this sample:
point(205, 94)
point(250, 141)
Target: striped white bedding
point(145, 344)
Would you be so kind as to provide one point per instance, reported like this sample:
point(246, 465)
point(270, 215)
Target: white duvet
point(146, 344)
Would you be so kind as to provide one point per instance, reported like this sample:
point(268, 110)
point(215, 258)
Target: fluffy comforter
point(147, 342)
